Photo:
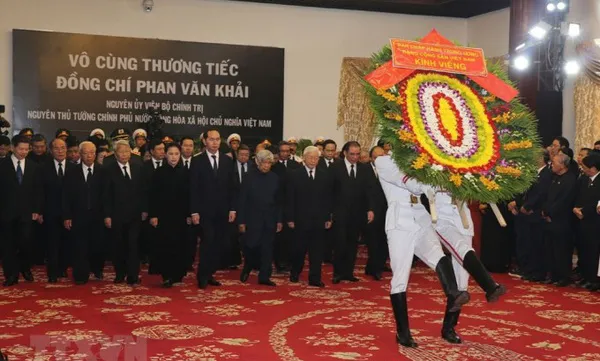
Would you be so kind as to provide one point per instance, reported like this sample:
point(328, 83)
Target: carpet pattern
point(291, 322)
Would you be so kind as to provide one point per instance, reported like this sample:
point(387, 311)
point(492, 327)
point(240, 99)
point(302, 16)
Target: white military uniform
point(457, 239)
point(407, 224)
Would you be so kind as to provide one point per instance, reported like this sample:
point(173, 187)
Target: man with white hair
point(125, 207)
point(82, 199)
point(52, 175)
point(409, 232)
point(308, 210)
point(259, 217)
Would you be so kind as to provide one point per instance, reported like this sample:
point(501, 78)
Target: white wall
point(315, 40)
point(490, 32)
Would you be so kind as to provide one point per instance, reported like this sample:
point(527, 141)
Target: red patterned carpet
point(102, 321)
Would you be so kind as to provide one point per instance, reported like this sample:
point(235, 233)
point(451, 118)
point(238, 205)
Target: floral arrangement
point(448, 131)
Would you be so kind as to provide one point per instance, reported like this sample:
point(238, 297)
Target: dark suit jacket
point(536, 195)
point(124, 199)
point(309, 203)
point(212, 195)
point(19, 201)
point(250, 166)
point(170, 193)
point(353, 198)
point(52, 187)
point(588, 197)
point(79, 196)
point(281, 170)
point(322, 163)
point(561, 198)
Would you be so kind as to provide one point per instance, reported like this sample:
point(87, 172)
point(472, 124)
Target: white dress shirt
point(15, 160)
point(62, 164)
point(328, 162)
point(121, 165)
point(154, 161)
point(85, 170)
point(188, 160)
point(314, 172)
point(349, 167)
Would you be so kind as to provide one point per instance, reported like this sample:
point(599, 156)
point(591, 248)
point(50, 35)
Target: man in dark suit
point(148, 233)
point(40, 155)
point(326, 161)
point(353, 206)
point(82, 212)
point(285, 164)
point(586, 210)
point(376, 237)
point(192, 231)
point(125, 207)
point(557, 211)
point(231, 256)
point(212, 204)
point(308, 212)
point(529, 224)
point(52, 175)
point(19, 192)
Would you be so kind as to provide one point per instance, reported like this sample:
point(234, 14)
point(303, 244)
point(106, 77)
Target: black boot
point(450, 321)
point(473, 265)
point(400, 308)
point(447, 278)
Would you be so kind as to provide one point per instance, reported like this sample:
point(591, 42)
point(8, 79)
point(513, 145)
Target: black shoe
point(591, 286)
point(445, 273)
point(167, 284)
point(294, 278)
point(133, 281)
point(450, 321)
point(213, 282)
point(52, 280)
point(595, 287)
point(63, 274)
point(27, 276)
point(387, 269)
point(316, 284)
point(495, 295)
point(202, 284)
point(232, 267)
point(11, 281)
point(475, 268)
point(99, 275)
point(267, 283)
point(563, 283)
point(352, 279)
point(548, 281)
point(336, 280)
point(244, 276)
point(80, 282)
point(377, 276)
point(400, 308)
point(119, 279)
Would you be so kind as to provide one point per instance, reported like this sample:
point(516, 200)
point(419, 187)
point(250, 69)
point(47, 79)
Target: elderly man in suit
point(125, 207)
point(52, 175)
point(212, 193)
point(82, 212)
point(308, 212)
point(260, 217)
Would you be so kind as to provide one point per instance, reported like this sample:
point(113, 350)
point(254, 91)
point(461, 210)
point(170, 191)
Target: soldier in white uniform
point(409, 231)
point(458, 241)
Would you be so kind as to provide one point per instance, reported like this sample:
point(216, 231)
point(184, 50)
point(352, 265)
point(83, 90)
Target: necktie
point(60, 170)
point(284, 163)
point(19, 172)
point(187, 164)
point(310, 174)
point(352, 174)
point(215, 166)
point(125, 173)
point(329, 163)
point(88, 175)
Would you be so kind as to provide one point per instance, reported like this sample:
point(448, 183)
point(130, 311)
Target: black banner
point(81, 82)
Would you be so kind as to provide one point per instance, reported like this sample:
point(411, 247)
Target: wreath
point(448, 131)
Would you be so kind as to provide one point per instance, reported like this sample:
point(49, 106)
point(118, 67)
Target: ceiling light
point(540, 30)
point(572, 67)
point(561, 5)
point(574, 30)
point(550, 7)
point(521, 62)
